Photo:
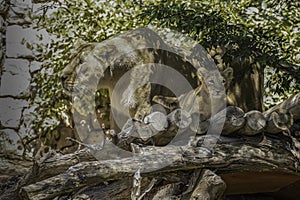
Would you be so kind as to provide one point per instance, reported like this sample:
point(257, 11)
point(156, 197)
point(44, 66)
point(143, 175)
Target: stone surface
point(10, 141)
point(15, 78)
point(16, 116)
point(24, 4)
point(35, 66)
point(10, 111)
point(27, 118)
point(18, 18)
point(19, 12)
point(15, 35)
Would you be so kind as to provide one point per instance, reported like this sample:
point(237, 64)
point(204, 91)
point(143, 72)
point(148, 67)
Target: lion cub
point(208, 98)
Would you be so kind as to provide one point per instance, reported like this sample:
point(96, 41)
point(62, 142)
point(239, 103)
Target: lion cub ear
point(228, 74)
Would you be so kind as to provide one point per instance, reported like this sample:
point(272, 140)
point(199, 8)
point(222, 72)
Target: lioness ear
point(78, 43)
point(202, 72)
point(228, 74)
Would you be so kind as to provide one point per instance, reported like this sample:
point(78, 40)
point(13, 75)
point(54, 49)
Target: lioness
point(103, 64)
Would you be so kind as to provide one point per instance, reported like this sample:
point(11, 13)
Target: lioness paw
point(128, 99)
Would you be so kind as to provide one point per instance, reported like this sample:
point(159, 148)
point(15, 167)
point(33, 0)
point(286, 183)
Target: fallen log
point(292, 105)
point(234, 119)
point(52, 164)
point(203, 184)
point(160, 129)
point(157, 120)
point(210, 186)
point(278, 120)
point(255, 123)
point(237, 154)
point(166, 191)
point(156, 129)
point(12, 168)
point(134, 132)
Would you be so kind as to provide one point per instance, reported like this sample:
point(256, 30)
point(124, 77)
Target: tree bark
point(255, 123)
point(234, 119)
point(229, 155)
point(278, 120)
point(292, 105)
point(210, 186)
point(82, 174)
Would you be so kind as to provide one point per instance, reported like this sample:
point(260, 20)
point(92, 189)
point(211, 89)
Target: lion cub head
point(214, 81)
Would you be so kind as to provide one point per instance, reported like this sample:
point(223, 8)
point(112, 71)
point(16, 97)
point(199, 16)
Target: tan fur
point(209, 97)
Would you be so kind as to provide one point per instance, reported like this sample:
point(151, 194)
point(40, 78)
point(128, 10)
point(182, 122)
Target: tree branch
point(230, 154)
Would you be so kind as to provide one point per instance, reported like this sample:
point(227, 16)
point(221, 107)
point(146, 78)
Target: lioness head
point(76, 65)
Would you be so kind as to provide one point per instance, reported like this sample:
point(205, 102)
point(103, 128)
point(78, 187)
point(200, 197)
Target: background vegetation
point(268, 31)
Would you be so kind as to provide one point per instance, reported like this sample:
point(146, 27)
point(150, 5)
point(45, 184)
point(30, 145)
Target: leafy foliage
point(71, 23)
point(268, 31)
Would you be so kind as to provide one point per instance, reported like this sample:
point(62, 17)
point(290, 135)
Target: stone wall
point(17, 67)
point(3, 13)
